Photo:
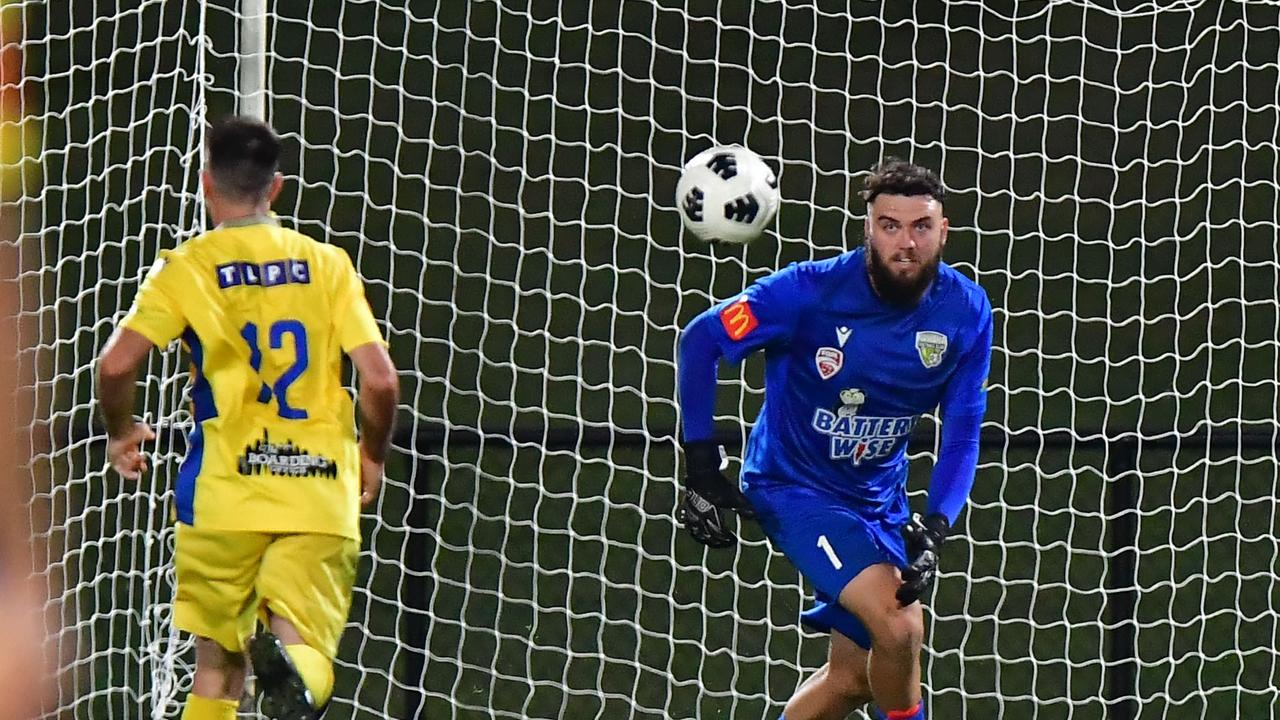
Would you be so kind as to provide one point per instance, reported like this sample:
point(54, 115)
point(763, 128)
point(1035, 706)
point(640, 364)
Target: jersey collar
point(250, 220)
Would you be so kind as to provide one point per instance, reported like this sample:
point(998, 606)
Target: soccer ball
point(727, 194)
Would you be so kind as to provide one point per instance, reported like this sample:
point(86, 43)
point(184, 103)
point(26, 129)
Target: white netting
point(503, 177)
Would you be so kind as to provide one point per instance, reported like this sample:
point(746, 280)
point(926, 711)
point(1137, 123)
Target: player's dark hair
point(899, 177)
point(243, 156)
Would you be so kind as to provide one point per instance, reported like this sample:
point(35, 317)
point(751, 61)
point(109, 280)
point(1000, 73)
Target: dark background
point(503, 174)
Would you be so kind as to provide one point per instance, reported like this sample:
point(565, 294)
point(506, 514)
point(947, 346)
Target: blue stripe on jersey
point(185, 491)
point(201, 391)
point(202, 399)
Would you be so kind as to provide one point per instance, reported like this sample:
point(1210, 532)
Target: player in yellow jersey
point(268, 495)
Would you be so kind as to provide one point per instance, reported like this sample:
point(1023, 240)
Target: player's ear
point(206, 183)
point(946, 225)
point(273, 192)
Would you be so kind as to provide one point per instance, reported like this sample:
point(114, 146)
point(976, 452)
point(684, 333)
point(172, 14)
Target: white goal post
point(252, 57)
point(502, 174)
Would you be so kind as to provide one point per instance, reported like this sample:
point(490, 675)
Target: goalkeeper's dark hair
point(243, 156)
point(899, 177)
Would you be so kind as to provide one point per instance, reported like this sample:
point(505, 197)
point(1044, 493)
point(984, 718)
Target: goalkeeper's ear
point(273, 190)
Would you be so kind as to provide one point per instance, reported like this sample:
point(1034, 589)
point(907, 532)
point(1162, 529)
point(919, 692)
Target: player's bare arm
point(117, 372)
point(379, 394)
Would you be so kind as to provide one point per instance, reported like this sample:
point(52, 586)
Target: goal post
point(252, 58)
point(503, 177)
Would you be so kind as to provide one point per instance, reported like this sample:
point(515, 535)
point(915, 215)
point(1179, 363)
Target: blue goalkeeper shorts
point(829, 544)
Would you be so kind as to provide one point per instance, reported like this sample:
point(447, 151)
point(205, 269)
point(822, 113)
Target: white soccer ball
point(727, 194)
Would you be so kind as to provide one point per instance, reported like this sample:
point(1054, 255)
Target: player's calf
point(219, 672)
point(838, 688)
point(850, 685)
point(828, 694)
point(217, 685)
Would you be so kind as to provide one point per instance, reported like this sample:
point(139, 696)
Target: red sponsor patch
point(737, 318)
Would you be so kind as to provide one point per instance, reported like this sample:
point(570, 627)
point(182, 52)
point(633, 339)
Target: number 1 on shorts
point(825, 544)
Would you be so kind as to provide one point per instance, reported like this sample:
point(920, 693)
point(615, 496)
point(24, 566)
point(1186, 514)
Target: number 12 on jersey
point(301, 360)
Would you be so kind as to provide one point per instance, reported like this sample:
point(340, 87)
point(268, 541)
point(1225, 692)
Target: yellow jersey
point(266, 314)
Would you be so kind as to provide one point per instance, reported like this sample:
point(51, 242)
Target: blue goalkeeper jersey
point(848, 376)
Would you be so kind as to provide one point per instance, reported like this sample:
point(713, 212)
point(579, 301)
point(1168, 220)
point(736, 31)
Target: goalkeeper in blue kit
point(857, 348)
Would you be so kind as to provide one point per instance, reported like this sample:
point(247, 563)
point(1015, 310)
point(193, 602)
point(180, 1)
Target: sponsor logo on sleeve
point(829, 360)
point(737, 318)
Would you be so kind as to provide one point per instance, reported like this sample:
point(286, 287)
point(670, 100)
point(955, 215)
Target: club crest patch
point(829, 361)
point(932, 347)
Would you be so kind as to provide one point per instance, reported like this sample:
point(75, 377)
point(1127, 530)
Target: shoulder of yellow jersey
point(338, 263)
point(212, 248)
point(182, 253)
point(335, 253)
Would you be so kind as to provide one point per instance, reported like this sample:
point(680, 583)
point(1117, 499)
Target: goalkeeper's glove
point(707, 492)
point(924, 543)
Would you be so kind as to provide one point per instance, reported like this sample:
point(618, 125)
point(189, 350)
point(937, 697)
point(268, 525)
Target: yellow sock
point(203, 708)
point(316, 671)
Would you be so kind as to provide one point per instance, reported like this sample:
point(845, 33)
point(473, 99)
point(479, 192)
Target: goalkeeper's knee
point(315, 669)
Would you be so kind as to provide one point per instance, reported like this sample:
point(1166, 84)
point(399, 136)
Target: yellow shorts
point(228, 580)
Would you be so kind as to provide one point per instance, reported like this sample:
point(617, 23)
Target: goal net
point(504, 179)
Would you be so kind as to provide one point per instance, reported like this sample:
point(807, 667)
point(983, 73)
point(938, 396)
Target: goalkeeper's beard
point(897, 290)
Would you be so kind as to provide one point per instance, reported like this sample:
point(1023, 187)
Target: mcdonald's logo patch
point(738, 319)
